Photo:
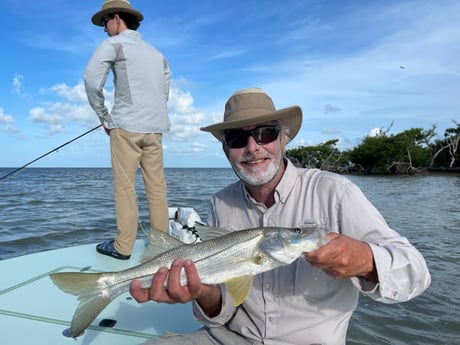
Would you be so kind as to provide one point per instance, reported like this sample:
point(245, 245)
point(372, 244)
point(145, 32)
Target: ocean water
point(48, 208)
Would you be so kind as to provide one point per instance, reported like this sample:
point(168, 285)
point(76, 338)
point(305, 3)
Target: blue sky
point(352, 66)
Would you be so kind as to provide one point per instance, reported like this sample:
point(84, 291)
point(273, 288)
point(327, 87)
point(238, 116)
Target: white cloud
point(48, 117)
point(180, 101)
point(8, 122)
point(185, 118)
point(75, 94)
point(72, 107)
point(198, 147)
point(375, 132)
point(55, 116)
point(5, 118)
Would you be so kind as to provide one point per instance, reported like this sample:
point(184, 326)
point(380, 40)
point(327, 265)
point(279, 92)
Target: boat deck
point(34, 311)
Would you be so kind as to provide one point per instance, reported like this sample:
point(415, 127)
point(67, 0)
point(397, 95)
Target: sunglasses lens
point(237, 138)
point(265, 135)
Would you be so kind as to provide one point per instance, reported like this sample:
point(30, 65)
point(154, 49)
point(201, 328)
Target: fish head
point(287, 244)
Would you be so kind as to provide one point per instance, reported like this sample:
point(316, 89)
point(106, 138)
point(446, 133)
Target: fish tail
point(88, 309)
point(90, 294)
point(75, 283)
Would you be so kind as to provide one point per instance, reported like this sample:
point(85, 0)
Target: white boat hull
point(34, 311)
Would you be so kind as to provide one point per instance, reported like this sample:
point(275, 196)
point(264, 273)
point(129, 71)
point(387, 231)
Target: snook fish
point(233, 258)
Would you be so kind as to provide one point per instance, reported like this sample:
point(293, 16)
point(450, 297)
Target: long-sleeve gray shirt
point(297, 303)
point(141, 79)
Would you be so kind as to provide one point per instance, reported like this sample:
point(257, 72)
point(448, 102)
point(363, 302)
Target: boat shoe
point(108, 248)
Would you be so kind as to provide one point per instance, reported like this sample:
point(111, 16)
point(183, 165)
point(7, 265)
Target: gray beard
point(258, 180)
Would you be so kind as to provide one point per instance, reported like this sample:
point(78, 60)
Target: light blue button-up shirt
point(141, 79)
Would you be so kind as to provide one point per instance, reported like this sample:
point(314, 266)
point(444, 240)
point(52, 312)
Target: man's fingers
point(139, 294)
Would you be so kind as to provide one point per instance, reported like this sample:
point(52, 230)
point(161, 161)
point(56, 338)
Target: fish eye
point(298, 230)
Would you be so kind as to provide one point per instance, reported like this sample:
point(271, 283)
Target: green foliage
point(373, 154)
point(382, 153)
point(403, 152)
point(317, 156)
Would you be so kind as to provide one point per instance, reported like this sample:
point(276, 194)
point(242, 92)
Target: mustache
point(255, 157)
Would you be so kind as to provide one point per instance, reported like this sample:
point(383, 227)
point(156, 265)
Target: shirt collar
point(287, 182)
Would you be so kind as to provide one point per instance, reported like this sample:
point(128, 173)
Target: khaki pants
point(128, 151)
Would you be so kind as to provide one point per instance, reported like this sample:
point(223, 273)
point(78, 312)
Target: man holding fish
point(311, 300)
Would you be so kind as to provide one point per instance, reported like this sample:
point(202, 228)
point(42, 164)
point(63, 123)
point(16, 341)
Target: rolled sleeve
point(402, 274)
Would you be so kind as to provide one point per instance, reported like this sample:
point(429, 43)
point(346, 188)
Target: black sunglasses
point(238, 138)
point(106, 19)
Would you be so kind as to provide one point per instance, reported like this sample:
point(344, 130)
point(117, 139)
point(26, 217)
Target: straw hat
point(114, 6)
point(252, 107)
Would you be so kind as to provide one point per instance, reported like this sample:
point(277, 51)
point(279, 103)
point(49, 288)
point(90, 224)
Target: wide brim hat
point(115, 6)
point(252, 107)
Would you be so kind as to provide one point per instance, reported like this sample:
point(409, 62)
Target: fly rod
point(46, 154)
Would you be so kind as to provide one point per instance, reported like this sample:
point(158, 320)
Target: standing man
point(311, 300)
point(136, 121)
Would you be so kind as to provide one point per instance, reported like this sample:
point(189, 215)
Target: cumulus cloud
point(54, 116)
point(5, 118)
point(71, 107)
point(75, 94)
point(48, 117)
point(375, 132)
point(185, 118)
point(7, 122)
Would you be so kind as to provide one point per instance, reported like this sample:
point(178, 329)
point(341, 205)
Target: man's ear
point(118, 19)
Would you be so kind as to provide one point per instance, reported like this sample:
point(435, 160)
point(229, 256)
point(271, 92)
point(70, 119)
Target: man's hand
point(207, 296)
point(344, 257)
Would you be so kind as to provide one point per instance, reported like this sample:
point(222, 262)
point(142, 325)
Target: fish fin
point(89, 308)
point(75, 283)
point(239, 288)
point(209, 232)
point(88, 290)
point(159, 242)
